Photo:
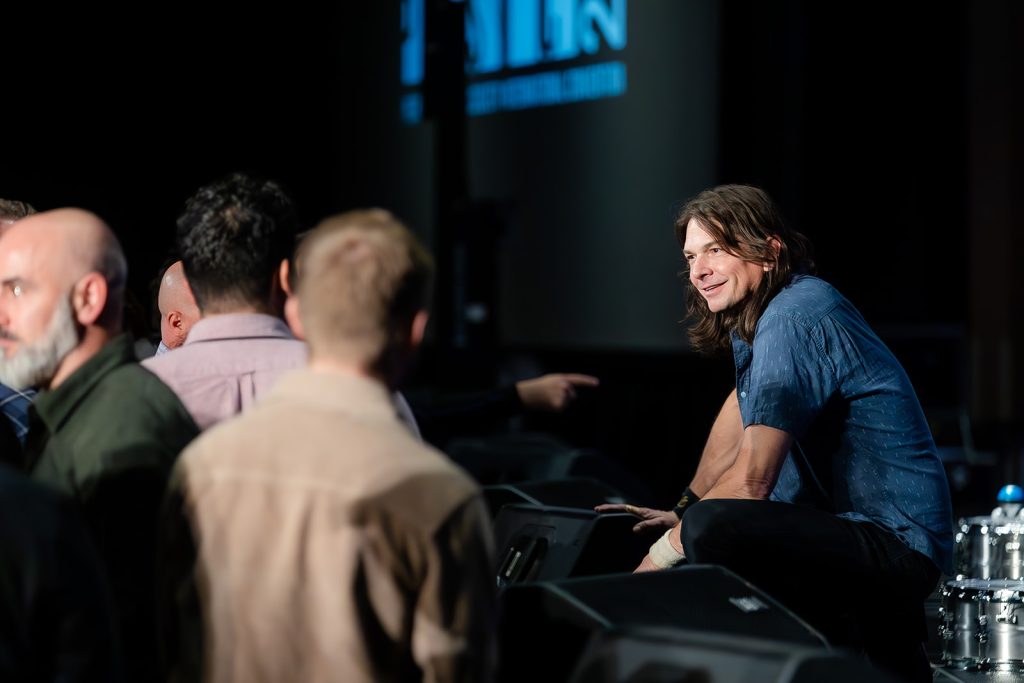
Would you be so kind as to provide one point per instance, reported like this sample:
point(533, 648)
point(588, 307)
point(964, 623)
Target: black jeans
point(855, 582)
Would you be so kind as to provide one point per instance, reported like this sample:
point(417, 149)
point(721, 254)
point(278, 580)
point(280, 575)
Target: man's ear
point(418, 329)
point(89, 298)
point(174, 320)
point(283, 272)
point(291, 316)
point(776, 246)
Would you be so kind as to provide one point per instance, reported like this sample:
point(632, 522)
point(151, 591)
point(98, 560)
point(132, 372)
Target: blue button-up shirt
point(863, 448)
point(14, 405)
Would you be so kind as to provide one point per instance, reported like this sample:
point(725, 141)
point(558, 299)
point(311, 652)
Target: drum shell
point(990, 548)
point(982, 624)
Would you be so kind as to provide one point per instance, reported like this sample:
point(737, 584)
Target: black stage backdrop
point(856, 119)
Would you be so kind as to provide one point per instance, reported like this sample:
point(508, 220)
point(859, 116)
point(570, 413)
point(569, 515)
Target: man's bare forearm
point(722, 447)
point(756, 468)
point(719, 455)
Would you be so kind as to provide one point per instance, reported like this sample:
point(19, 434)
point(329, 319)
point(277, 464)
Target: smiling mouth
point(712, 288)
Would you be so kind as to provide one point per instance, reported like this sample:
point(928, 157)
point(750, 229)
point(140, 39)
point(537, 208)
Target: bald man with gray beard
point(103, 430)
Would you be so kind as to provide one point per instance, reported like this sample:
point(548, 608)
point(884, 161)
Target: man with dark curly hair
point(820, 481)
point(318, 539)
point(233, 238)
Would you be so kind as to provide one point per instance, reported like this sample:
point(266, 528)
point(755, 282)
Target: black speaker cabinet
point(515, 458)
point(551, 621)
point(571, 492)
point(536, 543)
point(680, 656)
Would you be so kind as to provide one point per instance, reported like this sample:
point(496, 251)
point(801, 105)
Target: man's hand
point(554, 392)
point(658, 520)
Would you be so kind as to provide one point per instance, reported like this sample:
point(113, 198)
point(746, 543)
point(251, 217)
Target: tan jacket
point(333, 546)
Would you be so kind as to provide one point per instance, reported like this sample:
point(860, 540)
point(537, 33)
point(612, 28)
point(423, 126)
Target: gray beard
point(34, 365)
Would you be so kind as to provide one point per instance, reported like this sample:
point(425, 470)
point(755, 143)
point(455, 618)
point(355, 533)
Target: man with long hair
point(820, 481)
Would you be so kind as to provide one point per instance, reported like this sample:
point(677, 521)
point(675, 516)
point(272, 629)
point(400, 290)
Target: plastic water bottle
point(1010, 499)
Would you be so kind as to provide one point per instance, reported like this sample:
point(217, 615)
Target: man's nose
point(699, 266)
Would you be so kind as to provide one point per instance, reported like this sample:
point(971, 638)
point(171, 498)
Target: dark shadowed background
point(890, 133)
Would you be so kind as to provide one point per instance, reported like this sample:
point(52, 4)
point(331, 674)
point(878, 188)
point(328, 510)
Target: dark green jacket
point(55, 621)
point(108, 436)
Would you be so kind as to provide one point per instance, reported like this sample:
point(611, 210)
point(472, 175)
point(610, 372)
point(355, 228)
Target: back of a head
point(232, 237)
point(363, 279)
point(94, 248)
point(108, 260)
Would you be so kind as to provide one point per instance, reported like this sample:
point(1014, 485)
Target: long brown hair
point(744, 221)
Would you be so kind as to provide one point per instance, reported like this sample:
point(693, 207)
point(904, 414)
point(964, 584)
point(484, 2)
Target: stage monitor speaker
point(551, 621)
point(679, 656)
point(572, 492)
point(537, 543)
point(512, 458)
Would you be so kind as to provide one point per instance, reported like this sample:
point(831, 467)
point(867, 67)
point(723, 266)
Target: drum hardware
point(990, 548)
point(979, 625)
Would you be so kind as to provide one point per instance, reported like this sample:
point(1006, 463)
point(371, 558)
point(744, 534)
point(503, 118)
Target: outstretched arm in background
point(553, 392)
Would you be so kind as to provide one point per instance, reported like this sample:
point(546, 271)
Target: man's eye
point(715, 250)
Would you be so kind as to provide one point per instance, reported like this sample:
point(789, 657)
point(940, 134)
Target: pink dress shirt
point(227, 362)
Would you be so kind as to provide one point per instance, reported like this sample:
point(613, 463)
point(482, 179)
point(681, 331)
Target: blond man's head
point(364, 279)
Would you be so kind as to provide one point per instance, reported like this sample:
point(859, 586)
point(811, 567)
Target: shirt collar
point(55, 406)
point(233, 325)
point(337, 393)
point(7, 392)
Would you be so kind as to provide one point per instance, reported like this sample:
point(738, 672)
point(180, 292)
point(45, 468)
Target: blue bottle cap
point(1010, 493)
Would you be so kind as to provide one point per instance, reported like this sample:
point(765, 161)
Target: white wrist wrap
point(663, 555)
